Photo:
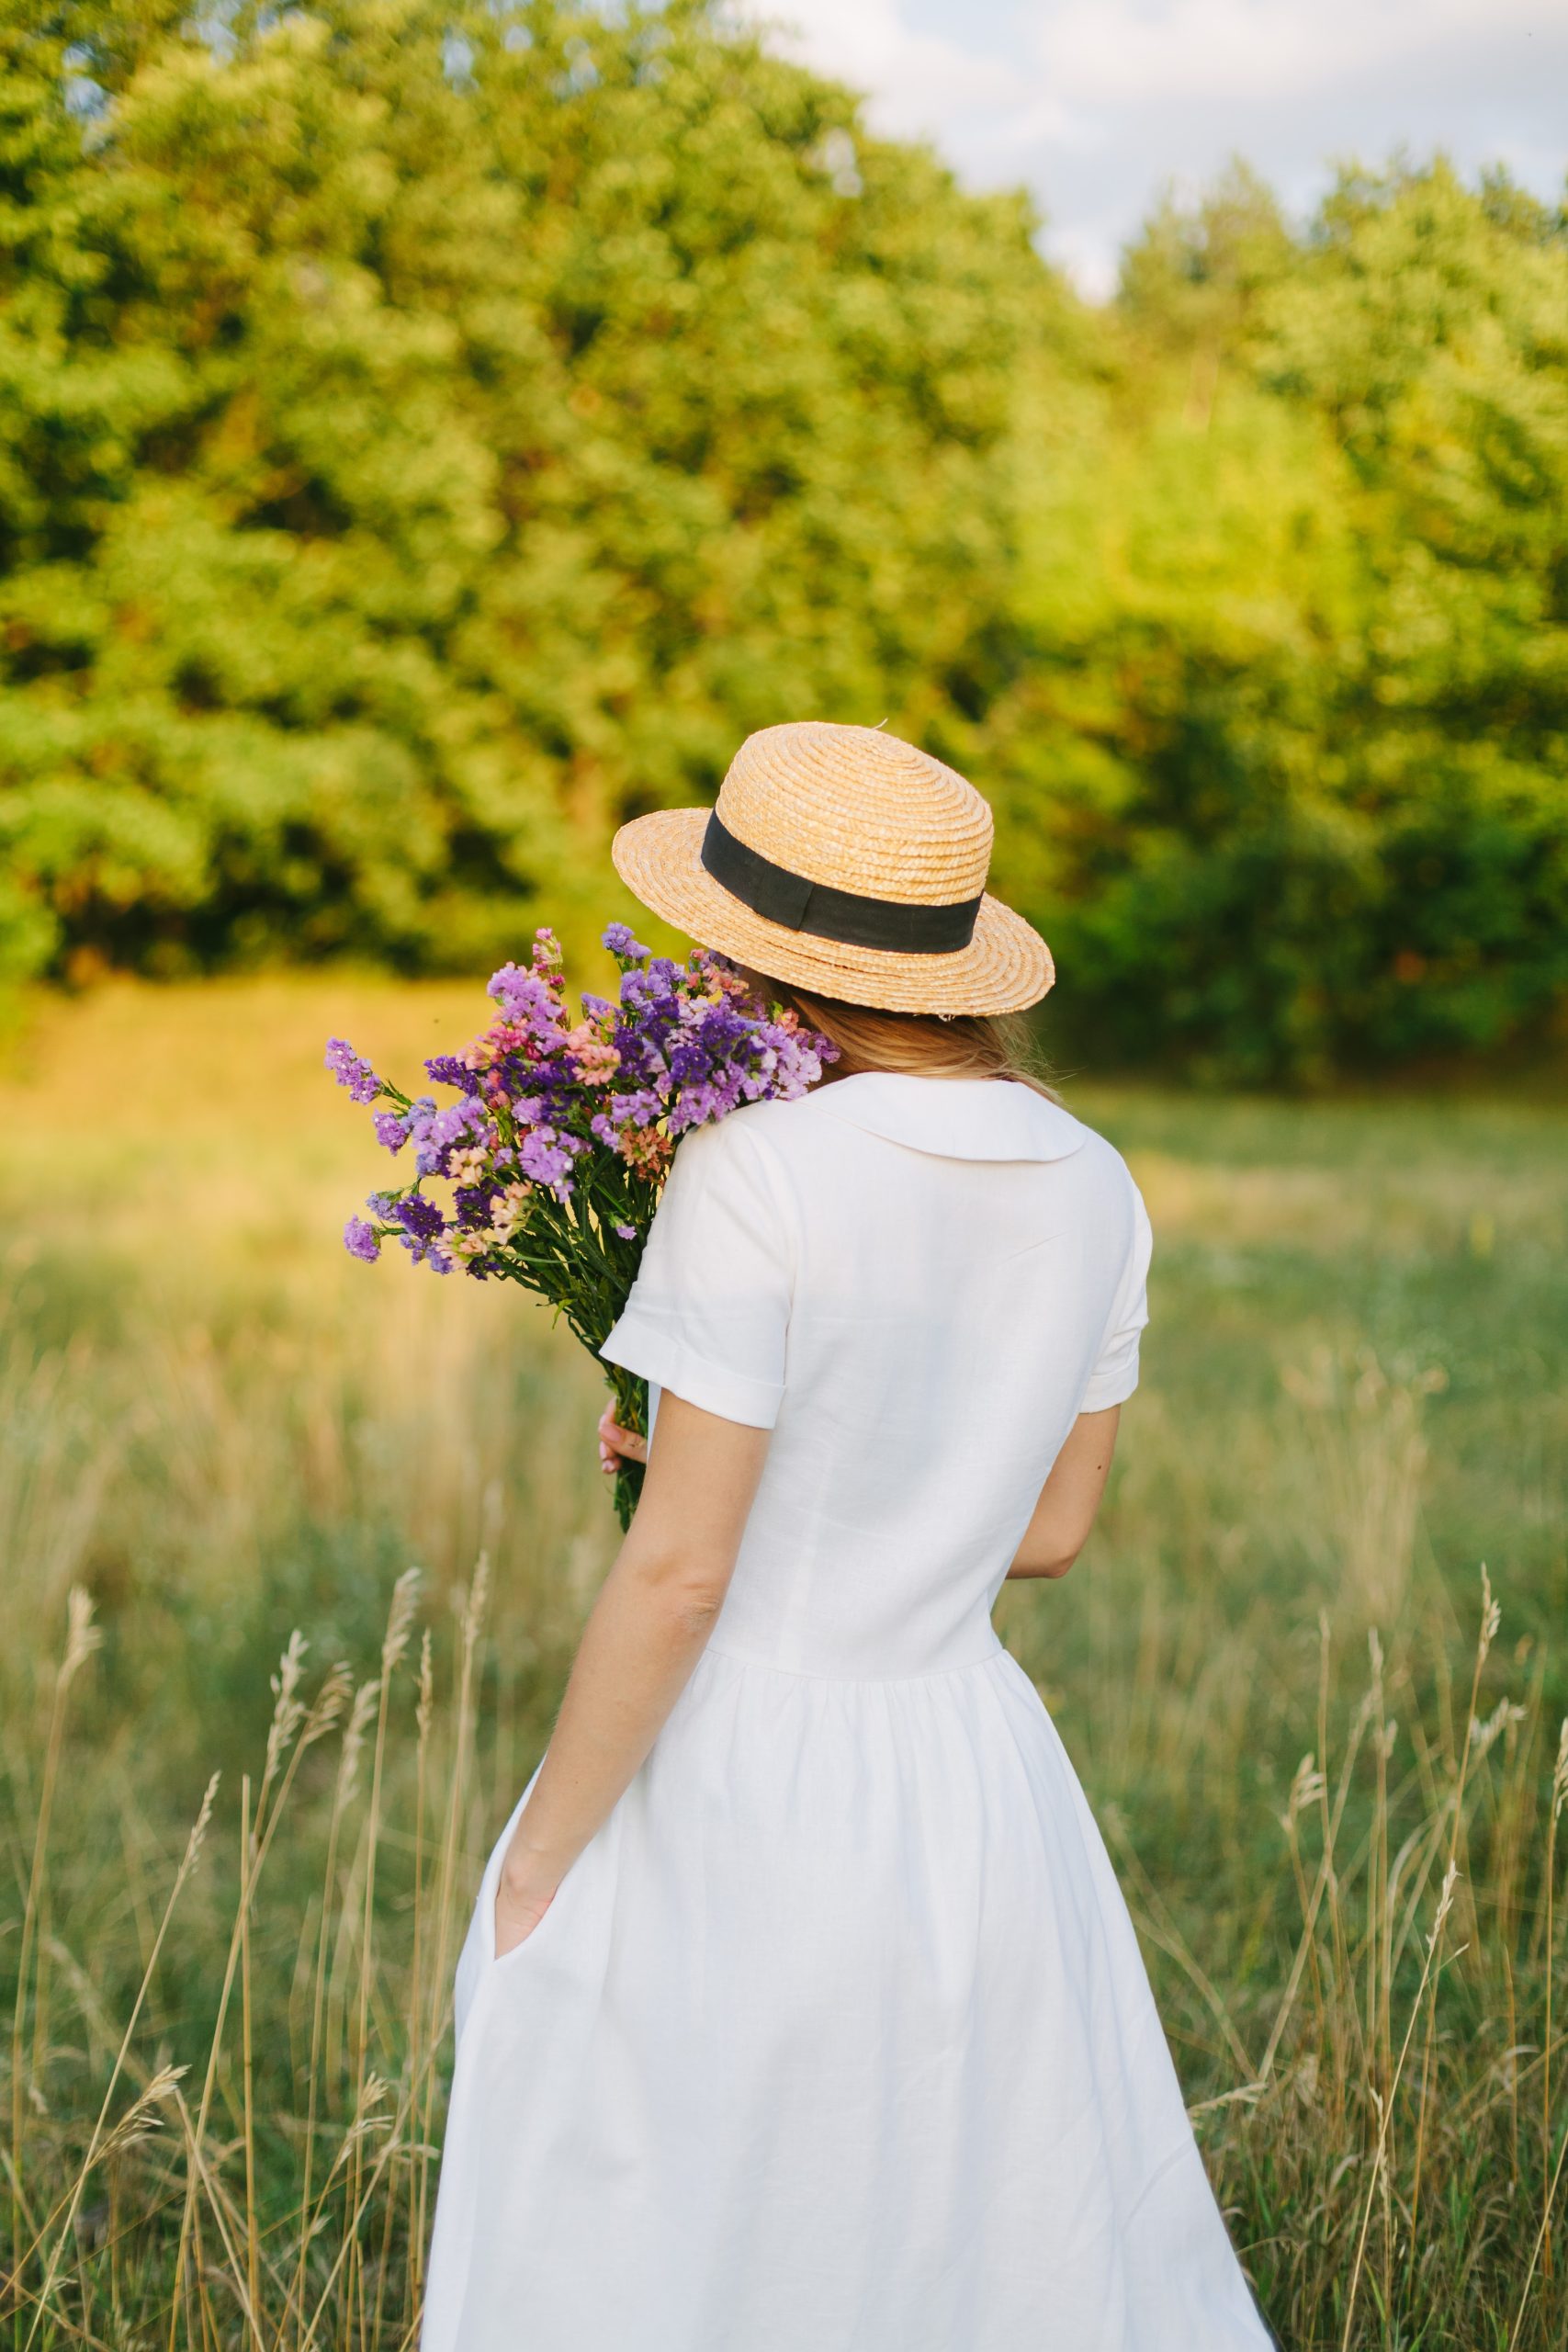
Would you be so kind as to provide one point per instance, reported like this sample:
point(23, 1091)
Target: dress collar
point(956, 1118)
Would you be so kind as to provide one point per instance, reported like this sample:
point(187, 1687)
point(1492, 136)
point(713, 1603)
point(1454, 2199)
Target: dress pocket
point(497, 1961)
point(501, 1958)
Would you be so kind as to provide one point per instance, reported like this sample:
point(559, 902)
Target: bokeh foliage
point(430, 434)
point(434, 432)
point(1303, 633)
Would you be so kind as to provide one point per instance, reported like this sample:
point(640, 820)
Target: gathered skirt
point(836, 2039)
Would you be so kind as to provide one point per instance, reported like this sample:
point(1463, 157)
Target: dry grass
point(1330, 1769)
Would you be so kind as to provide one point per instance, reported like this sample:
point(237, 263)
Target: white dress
point(836, 2037)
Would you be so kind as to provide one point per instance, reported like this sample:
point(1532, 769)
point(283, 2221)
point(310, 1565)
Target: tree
point(431, 434)
point(1298, 724)
point(438, 432)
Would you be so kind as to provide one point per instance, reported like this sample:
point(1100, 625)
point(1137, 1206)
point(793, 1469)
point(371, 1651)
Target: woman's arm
point(646, 1631)
point(1069, 1498)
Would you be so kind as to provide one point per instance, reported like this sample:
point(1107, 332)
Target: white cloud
point(1100, 102)
point(1121, 52)
point(915, 79)
point(923, 84)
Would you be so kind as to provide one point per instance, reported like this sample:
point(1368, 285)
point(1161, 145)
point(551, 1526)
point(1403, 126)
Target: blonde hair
point(916, 1045)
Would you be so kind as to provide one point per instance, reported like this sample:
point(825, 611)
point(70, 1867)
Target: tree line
point(430, 434)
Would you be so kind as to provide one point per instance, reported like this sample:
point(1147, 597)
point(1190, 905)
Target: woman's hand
point(520, 1904)
point(618, 1445)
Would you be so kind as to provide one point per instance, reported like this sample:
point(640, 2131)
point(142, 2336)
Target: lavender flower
point(636, 1108)
point(529, 1002)
point(623, 945)
point(473, 1203)
point(424, 1229)
point(545, 1158)
point(436, 1133)
point(420, 1218)
point(351, 1069)
point(451, 1069)
point(556, 1136)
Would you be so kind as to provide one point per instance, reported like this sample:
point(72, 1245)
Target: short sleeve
point(1115, 1374)
point(709, 1311)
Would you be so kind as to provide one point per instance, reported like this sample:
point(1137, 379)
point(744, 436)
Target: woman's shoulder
point(963, 1119)
point(729, 1141)
point(734, 1158)
point(775, 1147)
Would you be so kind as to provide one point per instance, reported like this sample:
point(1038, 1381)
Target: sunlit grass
point(216, 1429)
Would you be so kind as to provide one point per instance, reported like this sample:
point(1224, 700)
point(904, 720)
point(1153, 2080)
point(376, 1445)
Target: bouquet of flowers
point(558, 1134)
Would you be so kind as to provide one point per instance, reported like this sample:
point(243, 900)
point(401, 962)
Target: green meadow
point(1312, 1670)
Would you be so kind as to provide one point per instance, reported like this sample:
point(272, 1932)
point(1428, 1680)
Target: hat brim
point(1005, 966)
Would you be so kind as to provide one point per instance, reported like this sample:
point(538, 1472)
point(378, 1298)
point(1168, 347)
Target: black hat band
point(797, 904)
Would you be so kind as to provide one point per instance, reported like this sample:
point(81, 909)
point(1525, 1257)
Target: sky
point(1096, 106)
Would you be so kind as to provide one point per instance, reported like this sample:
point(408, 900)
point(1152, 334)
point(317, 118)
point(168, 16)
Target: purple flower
point(418, 1217)
point(473, 1203)
point(434, 1133)
point(635, 1108)
point(623, 944)
point(529, 1002)
point(450, 1069)
point(423, 1228)
point(695, 1105)
point(351, 1069)
point(545, 1158)
point(683, 1047)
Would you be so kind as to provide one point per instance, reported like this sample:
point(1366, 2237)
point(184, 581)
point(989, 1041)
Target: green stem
point(630, 1392)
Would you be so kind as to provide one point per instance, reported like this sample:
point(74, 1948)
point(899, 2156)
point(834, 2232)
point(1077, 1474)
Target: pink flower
point(594, 1057)
point(648, 1149)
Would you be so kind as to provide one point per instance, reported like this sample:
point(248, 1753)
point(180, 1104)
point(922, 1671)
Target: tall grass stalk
point(1383, 2103)
point(98, 2143)
point(398, 1624)
point(1260, 1669)
point(365, 1700)
point(1490, 1618)
point(1557, 1799)
point(81, 1638)
point(241, 2237)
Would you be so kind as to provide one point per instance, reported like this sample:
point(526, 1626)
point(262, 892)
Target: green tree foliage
point(433, 432)
point(430, 434)
point(1298, 751)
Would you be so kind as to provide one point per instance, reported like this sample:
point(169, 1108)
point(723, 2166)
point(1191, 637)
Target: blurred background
point(430, 434)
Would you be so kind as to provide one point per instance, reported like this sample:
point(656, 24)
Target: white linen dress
point(836, 2037)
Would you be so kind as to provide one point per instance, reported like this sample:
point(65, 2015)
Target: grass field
point(1276, 1668)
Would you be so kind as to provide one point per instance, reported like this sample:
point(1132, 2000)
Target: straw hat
point(847, 861)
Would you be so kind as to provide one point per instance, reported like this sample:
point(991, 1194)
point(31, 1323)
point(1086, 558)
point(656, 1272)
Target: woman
point(801, 2011)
